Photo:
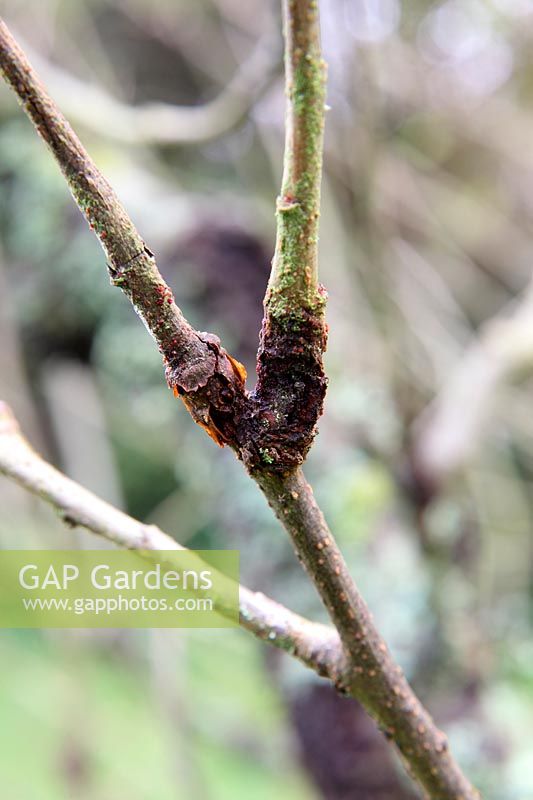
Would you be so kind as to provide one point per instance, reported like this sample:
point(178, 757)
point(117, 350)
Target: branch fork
point(271, 428)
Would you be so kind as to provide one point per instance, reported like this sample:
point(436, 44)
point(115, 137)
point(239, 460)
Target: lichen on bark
point(289, 395)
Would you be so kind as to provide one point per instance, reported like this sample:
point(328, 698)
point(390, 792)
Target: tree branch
point(371, 676)
point(317, 646)
point(295, 269)
point(272, 429)
point(198, 369)
point(291, 381)
point(290, 357)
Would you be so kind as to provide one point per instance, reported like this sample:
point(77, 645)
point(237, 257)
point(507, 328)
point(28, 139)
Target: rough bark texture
point(291, 383)
point(288, 398)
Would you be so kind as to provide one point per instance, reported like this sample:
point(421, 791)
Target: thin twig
point(315, 645)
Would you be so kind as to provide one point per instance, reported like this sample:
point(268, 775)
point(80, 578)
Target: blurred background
point(424, 462)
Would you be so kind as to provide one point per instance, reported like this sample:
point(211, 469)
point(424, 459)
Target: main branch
point(292, 383)
point(371, 675)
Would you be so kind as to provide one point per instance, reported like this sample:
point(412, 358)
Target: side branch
point(199, 370)
point(317, 646)
point(291, 382)
point(294, 279)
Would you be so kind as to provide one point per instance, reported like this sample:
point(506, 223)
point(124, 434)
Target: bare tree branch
point(291, 382)
point(371, 676)
point(272, 429)
point(293, 339)
point(295, 268)
point(315, 645)
point(198, 369)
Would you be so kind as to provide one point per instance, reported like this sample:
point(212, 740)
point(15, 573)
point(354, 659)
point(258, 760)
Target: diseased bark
point(291, 382)
point(271, 429)
point(198, 369)
point(289, 395)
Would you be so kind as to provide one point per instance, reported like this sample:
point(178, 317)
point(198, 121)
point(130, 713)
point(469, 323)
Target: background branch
point(449, 430)
point(162, 123)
